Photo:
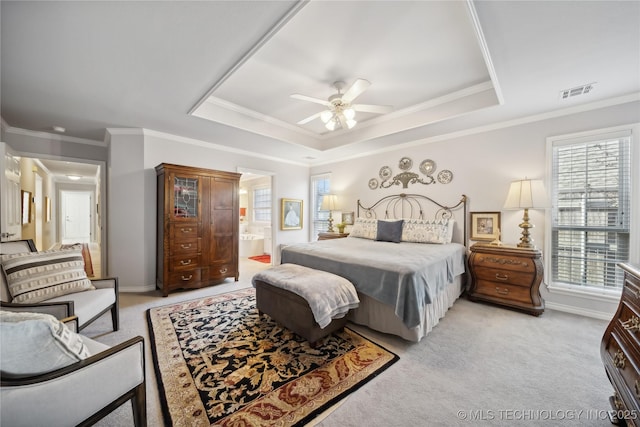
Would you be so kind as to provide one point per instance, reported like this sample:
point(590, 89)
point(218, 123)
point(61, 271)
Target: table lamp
point(526, 194)
point(329, 203)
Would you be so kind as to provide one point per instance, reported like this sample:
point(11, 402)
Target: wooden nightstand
point(329, 236)
point(507, 275)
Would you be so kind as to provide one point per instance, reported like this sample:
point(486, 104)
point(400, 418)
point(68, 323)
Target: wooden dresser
point(197, 227)
point(507, 275)
point(620, 350)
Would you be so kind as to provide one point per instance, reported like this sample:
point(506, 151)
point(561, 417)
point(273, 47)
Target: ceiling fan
point(340, 110)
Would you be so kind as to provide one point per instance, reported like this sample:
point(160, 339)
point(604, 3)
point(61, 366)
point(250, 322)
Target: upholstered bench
point(311, 303)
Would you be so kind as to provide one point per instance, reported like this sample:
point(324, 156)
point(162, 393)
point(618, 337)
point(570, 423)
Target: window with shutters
point(320, 185)
point(591, 214)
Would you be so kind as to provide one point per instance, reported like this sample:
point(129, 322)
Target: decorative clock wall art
point(386, 177)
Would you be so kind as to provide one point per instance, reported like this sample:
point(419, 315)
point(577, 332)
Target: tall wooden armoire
point(197, 227)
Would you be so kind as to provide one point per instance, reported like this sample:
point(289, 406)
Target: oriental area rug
point(219, 363)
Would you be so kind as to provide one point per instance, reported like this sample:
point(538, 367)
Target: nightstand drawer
point(503, 291)
point(506, 262)
point(510, 277)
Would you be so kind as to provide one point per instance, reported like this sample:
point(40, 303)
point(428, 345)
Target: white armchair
point(80, 392)
point(87, 305)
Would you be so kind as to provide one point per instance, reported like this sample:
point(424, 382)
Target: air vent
point(575, 91)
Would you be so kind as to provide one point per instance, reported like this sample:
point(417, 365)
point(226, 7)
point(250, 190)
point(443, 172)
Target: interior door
point(76, 216)
point(10, 217)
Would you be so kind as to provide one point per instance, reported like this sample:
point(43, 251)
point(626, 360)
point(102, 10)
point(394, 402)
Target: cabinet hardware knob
point(223, 270)
point(502, 276)
point(503, 291)
point(186, 230)
point(187, 262)
point(187, 278)
point(619, 359)
point(633, 324)
point(183, 246)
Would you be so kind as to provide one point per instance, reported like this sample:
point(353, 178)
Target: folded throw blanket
point(329, 296)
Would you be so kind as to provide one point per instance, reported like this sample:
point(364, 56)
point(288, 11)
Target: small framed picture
point(291, 214)
point(347, 218)
point(485, 226)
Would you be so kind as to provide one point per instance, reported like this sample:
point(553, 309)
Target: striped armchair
point(87, 305)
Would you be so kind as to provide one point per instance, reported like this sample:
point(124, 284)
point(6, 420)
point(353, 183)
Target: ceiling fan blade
point(378, 109)
point(311, 99)
point(308, 119)
point(356, 89)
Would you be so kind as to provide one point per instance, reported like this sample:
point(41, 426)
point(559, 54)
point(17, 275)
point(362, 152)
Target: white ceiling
point(444, 66)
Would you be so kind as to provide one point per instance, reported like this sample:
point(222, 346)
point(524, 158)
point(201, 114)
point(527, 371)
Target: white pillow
point(365, 228)
point(35, 343)
point(38, 276)
point(427, 231)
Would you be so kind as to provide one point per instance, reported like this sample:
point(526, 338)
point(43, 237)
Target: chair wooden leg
point(139, 405)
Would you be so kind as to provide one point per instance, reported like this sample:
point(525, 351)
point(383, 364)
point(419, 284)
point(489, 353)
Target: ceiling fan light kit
point(341, 113)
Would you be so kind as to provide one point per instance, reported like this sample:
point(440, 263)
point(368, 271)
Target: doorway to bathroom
point(256, 218)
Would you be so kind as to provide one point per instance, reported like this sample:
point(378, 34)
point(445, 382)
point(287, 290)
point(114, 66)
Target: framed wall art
point(47, 209)
point(26, 207)
point(291, 214)
point(347, 218)
point(485, 226)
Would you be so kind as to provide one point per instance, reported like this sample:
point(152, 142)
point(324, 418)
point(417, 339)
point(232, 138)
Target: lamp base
point(330, 229)
point(526, 242)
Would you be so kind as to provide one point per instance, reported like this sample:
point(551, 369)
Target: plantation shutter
point(320, 185)
point(591, 209)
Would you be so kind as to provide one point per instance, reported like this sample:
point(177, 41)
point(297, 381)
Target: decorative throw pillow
point(427, 231)
point(34, 343)
point(38, 276)
point(365, 228)
point(389, 231)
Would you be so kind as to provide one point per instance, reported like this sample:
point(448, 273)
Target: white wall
point(483, 165)
point(134, 154)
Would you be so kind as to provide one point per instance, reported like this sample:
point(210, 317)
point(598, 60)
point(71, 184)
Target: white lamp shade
point(325, 116)
point(331, 124)
point(329, 202)
point(527, 194)
point(349, 113)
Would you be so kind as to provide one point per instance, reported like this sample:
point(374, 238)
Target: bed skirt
point(382, 318)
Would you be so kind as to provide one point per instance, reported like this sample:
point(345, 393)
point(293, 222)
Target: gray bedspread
point(403, 275)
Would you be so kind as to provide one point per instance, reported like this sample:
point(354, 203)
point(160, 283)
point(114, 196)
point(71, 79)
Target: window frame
point(315, 204)
point(594, 292)
point(254, 209)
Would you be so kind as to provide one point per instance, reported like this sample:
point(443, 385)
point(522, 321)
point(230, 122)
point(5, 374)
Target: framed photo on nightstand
point(485, 226)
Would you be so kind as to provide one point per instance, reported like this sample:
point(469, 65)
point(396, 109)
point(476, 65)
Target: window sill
point(612, 295)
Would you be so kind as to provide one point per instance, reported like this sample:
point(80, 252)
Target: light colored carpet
point(482, 365)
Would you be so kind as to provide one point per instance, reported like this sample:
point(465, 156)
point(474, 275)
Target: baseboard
point(130, 289)
point(602, 315)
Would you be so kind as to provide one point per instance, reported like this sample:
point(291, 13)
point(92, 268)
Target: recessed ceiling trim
point(453, 104)
point(484, 48)
point(256, 115)
point(217, 113)
point(264, 39)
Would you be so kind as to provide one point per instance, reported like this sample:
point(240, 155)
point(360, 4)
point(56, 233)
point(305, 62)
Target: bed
point(406, 282)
